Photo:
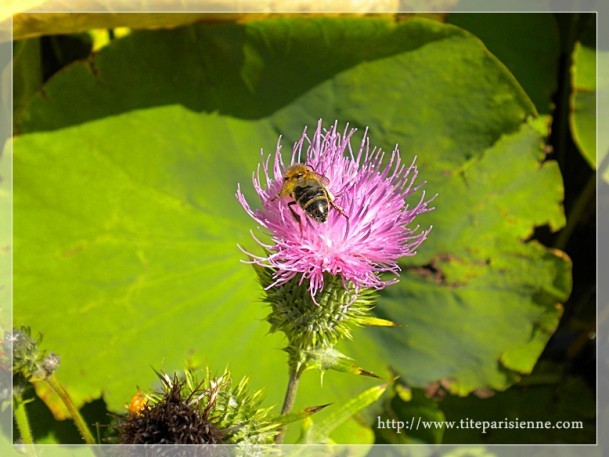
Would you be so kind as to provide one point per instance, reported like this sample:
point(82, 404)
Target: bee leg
point(334, 205)
point(296, 216)
point(337, 208)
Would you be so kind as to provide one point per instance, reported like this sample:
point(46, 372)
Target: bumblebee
point(308, 189)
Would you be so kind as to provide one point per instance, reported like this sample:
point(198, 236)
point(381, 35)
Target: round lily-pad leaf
point(586, 88)
point(527, 43)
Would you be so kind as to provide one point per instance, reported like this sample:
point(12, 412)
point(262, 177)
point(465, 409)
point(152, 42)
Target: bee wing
point(325, 181)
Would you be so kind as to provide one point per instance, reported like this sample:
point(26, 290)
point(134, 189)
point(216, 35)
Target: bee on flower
point(335, 210)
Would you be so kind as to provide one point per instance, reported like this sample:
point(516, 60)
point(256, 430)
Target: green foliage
point(126, 224)
point(331, 359)
point(527, 44)
point(320, 431)
point(410, 407)
point(27, 62)
point(482, 276)
point(568, 401)
point(583, 117)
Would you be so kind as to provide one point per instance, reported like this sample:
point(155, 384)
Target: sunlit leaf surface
point(586, 89)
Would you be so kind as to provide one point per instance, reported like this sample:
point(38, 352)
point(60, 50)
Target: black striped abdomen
point(313, 200)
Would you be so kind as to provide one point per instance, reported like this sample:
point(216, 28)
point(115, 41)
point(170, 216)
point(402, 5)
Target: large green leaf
point(414, 408)
point(586, 88)
point(27, 25)
point(569, 406)
point(126, 224)
point(140, 252)
point(486, 304)
point(527, 44)
point(27, 62)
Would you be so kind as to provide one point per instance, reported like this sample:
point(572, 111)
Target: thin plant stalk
point(290, 394)
point(290, 398)
point(80, 423)
point(22, 421)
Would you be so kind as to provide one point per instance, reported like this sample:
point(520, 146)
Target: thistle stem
point(80, 423)
point(22, 421)
point(290, 398)
point(290, 394)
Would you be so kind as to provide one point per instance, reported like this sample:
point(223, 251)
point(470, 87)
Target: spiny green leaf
point(375, 322)
point(331, 359)
point(319, 432)
point(285, 419)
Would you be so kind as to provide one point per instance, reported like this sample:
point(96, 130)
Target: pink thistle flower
point(359, 245)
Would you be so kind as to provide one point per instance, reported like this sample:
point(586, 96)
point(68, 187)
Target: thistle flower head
point(369, 222)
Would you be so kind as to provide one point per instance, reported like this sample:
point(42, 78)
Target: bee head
point(297, 171)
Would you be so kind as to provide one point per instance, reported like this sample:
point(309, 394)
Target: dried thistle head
point(169, 420)
point(187, 411)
